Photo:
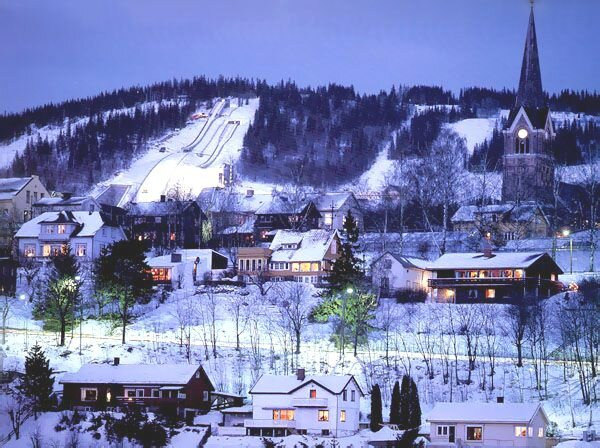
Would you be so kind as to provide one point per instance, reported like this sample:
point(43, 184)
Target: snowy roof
point(246, 409)
point(281, 205)
point(187, 255)
point(385, 434)
point(523, 212)
point(246, 227)
point(311, 245)
point(132, 374)
point(484, 412)
point(407, 262)
point(285, 384)
point(326, 201)
point(115, 195)
point(480, 261)
point(88, 223)
point(73, 200)
point(159, 208)
point(219, 200)
point(12, 185)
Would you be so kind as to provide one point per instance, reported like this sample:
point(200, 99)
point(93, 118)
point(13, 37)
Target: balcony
point(527, 282)
point(309, 402)
point(55, 237)
point(267, 423)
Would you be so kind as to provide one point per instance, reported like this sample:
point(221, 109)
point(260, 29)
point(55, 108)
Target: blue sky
point(61, 49)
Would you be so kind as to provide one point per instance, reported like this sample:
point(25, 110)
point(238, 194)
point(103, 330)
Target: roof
point(116, 195)
point(407, 262)
point(132, 374)
point(312, 245)
point(159, 208)
point(385, 434)
point(10, 186)
point(498, 260)
point(537, 116)
point(512, 212)
point(326, 201)
point(89, 223)
point(187, 256)
point(58, 201)
point(245, 228)
point(246, 409)
point(219, 201)
point(286, 384)
point(281, 205)
point(484, 412)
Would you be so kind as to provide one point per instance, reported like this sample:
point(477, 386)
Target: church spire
point(530, 92)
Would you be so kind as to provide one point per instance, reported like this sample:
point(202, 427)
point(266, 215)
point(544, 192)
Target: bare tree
point(516, 321)
point(294, 307)
point(207, 311)
point(185, 312)
point(590, 181)
point(469, 321)
point(239, 308)
point(491, 338)
point(18, 409)
point(5, 307)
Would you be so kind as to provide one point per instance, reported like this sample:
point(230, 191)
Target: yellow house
point(17, 196)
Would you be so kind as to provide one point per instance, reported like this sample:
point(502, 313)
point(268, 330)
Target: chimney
point(116, 361)
point(249, 193)
point(66, 195)
point(175, 258)
point(163, 198)
point(499, 400)
point(300, 374)
point(487, 252)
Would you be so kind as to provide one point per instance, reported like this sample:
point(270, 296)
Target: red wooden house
point(181, 388)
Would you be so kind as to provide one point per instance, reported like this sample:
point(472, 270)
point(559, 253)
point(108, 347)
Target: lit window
point(342, 416)
point(323, 415)
point(518, 273)
point(314, 267)
point(295, 267)
point(61, 228)
point(29, 250)
point(305, 267)
point(530, 431)
point(283, 414)
point(46, 250)
point(520, 431)
point(540, 431)
point(474, 433)
point(313, 393)
point(81, 250)
point(490, 293)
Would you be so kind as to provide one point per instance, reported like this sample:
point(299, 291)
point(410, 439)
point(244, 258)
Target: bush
point(152, 434)
point(59, 428)
point(406, 295)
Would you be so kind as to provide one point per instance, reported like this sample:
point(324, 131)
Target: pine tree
point(395, 405)
point(414, 418)
point(376, 409)
point(37, 382)
point(404, 412)
point(346, 269)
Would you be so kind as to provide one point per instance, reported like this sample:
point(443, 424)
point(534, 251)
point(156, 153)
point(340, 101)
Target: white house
point(391, 272)
point(326, 405)
point(174, 268)
point(86, 232)
point(487, 424)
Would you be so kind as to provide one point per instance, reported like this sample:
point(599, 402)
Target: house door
point(451, 432)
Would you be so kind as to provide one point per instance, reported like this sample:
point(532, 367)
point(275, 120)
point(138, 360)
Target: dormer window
point(61, 228)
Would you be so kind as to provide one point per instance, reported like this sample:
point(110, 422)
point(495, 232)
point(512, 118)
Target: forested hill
point(322, 136)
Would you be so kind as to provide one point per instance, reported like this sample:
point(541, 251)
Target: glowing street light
point(567, 233)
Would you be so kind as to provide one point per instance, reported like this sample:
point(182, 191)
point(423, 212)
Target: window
point(474, 433)
point(29, 250)
point(328, 219)
point(519, 273)
point(541, 431)
point(61, 228)
point(81, 250)
point(345, 395)
point(314, 267)
point(442, 430)
point(324, 432)
point(46, 250)
point(49, 229)
point(28, 197)
point(352, 395)
point(139, 392)
point(241, 265)
point(342, 415)
point(530, 431)
point(130, 393)
point(155, 393)
point(313, 393)
point(89, 394)
point(323, 415)
point(205, 395)
point(295, 267)
point(387, 264)
point(520, 431)
point(283, 414)
point(35, 196)
point(198, 374)
point(490, 293)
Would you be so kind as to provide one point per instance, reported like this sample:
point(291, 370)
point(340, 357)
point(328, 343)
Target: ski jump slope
point(194, 156)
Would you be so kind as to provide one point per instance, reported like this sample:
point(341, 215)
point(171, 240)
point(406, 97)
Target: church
point(528, 163)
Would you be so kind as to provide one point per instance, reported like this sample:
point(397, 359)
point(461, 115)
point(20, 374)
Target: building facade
point(327, 405)
point(391, 273)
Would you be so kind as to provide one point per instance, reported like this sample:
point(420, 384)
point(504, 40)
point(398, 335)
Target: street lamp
point(349, 291)
point(567, 233)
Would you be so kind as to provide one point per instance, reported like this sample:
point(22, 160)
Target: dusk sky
point(57, 50)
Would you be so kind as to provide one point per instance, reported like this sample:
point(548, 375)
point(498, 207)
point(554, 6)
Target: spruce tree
point(414, 419)
point(395, 405)
point(346, 269)
point(37, 382)
point(404, 413)
point(376, 409)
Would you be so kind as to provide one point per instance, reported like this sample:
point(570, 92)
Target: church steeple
point(530, 92)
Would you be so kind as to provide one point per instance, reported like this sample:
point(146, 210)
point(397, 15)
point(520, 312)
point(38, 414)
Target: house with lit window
point(183, 388)
point(334, 208)
point(87, 233)
point(65, 202)
point(17, 196)
point(493, 277)
point(186, 264)
point(282, 212)
point(392, 272)
point(487, 424)
point(165, 224)
point(327, 405)
point(306, 257)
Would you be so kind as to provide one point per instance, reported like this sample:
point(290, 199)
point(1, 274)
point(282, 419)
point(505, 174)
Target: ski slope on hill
point(193, 157)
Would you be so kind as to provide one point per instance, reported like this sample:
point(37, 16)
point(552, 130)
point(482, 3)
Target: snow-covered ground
point(474, 130)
